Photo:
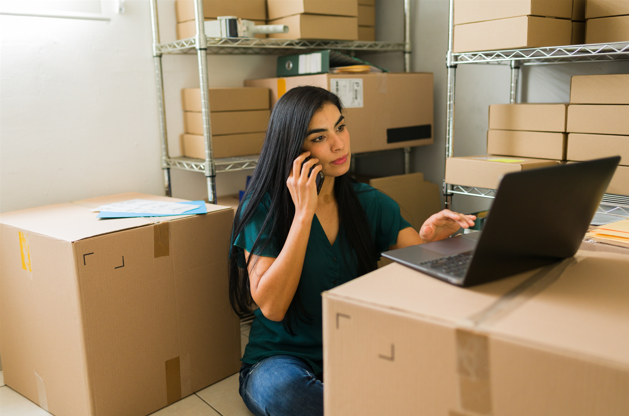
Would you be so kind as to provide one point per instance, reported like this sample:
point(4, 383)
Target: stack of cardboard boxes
point(607, 21)
point(598, 123)
point(367, 20)
point(489, 25)
point(245, 9)
point(238, 119)
point(315, 19)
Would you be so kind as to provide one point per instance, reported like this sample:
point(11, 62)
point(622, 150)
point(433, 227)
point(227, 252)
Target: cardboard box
point(283, 8)
point(229, 145)
point(418, 199)
point(578, 10)
point(595, 146)
point(513, 33)
point(533, 144)
point(620, 181)
point(532, 117)
point(366, 15)
point(188, 29)
point(383, 111)
point(598, 119)
point(606, 8)
point(114, 317)
point(227, 122)
point(607, 30)
point(599, 89)
point(487, 171)
point(469, 11)
point(578, 33)
point(227, 99)
point(314, 26)
point(398, 342)
point(367, 33)
point(244, 9)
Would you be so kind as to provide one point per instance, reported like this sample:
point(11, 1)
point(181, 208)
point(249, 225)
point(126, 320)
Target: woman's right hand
point(303, 188)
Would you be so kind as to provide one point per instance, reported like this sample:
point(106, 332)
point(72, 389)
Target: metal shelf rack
point(516, 58)
point(202, 45)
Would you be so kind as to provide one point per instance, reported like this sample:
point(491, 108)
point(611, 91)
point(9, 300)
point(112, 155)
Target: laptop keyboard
point(455, 265)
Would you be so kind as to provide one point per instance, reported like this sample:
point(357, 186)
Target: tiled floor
point(221, 398)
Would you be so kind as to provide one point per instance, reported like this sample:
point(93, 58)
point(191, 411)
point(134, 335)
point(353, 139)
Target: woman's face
point(328, 140)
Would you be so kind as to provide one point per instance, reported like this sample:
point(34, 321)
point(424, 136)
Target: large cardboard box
point(230, 145)
point(383, 111)
point(188, 29)
point(487, 171)
point(284, 8)
point(578, 10)
point(620, 181)
point(599, 89)
point(227, 99)
point(578, 33)
point(598, 119)
point(594, 146)
point(513, 33)
point(367, 33)
point(533, 144)
point(227, 122)
point(606, 8)
point(532, 117)
point(244, 9)
point(114, 317)
point(469, 11)
point(366, 15)
point(607, 30)
point(314, 26)
point(398, 342)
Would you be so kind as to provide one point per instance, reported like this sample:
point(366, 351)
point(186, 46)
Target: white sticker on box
point(349, 90)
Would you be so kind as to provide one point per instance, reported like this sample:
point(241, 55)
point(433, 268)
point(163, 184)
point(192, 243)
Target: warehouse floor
point(221, 398)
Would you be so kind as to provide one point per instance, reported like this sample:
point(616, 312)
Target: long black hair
point(284, 142)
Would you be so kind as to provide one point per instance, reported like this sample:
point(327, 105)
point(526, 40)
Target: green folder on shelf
point(320, 62)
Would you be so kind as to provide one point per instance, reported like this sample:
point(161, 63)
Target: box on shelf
point(532, 117)
point(606, 8)
point(534, 144)
point(599, 89)
point(283, 8)
point(229, 145)
point(227, 99)
point(383, 111)
point(607, 30)
point(487, 171)
point(366, 15)
point(314, 26)
point(188, 29)
point(367, 33)
point(595, 146)
point(114, 317)
point(578, 10)
point(578, 33)
point(469, 11)
point(455, 351)
point(512, 33)
point(598, 119)
point(227, 122)
point(244, 9)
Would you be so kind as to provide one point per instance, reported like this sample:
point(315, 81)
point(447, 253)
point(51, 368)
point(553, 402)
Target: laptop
point(538, 217)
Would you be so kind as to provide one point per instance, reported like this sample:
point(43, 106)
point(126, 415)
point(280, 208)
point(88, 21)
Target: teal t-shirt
point(324, 268)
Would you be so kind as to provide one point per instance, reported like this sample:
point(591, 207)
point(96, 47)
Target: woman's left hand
point(443, 224)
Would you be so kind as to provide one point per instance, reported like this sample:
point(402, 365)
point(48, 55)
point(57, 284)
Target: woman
point(290, 244)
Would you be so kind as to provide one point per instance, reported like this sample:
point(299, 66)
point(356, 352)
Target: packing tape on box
point(472, 344)
point(173, 380)
point(41, 392)
point(161, 233)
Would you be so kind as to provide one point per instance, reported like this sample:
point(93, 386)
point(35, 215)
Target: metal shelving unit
point(516, 58)
point(202, 45)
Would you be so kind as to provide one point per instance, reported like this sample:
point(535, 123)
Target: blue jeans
point(281, 385)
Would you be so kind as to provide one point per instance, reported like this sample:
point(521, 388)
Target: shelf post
point(201, 41)
point(515, 77)
point(407, 68)
point(161, 111)
point(451, 88)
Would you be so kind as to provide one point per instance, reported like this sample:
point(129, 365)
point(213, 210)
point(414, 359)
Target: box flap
point(76, 221)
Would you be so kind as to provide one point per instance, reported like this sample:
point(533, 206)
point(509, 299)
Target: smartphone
point(320, 176)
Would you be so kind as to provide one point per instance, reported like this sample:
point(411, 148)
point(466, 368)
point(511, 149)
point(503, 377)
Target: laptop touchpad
point(451, 246)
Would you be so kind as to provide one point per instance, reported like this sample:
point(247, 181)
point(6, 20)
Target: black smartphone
point(320, 176)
